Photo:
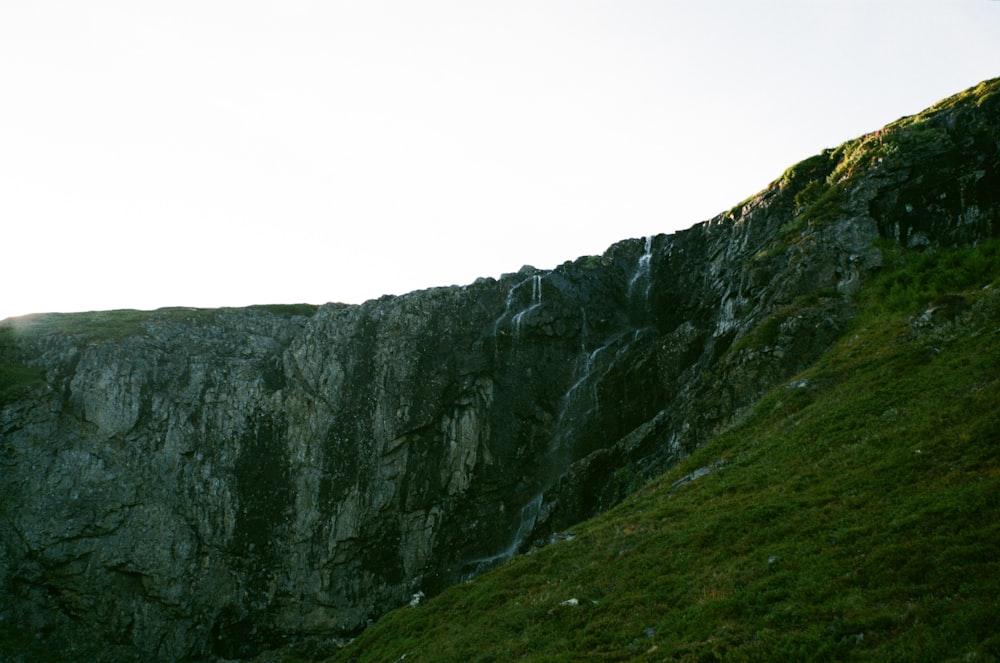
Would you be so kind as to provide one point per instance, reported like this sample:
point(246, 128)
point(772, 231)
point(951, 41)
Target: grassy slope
point(857, 517)
point(853, 518)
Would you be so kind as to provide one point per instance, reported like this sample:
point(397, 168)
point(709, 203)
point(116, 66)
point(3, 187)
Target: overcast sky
point(230, 152)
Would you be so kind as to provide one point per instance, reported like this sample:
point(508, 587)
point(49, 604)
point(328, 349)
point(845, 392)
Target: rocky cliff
point(193, 484)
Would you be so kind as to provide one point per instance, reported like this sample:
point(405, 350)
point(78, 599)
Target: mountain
point(853, 514)
point(194, 484)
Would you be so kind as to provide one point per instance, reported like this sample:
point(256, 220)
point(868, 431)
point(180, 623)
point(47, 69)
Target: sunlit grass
point(857, 517)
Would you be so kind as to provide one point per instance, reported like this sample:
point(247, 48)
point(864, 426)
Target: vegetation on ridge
point(855, 514)
point(819, 183)
point(99, 326)
point(15, 377)
point(851, 514)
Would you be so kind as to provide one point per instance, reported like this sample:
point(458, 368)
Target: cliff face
point(186, 484)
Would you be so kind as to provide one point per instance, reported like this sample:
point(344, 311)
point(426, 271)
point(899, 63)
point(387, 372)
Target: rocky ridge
point(188, 484)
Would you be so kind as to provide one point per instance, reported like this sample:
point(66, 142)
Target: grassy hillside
point(855, 514)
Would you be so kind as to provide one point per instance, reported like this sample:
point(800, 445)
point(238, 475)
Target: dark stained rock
point(198, 484)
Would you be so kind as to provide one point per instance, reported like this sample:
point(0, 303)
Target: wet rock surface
point(203, 484)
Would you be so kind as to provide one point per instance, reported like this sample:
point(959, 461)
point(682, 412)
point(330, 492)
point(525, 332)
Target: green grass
point(855, 518)
point(114, 325)
point(15, 377)
point(909, 281)
point(99, 326)
point(820, 183)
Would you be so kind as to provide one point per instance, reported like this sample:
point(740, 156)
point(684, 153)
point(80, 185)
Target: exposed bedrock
point(214, 483)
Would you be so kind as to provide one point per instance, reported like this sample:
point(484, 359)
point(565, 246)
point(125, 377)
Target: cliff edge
point(187, 484)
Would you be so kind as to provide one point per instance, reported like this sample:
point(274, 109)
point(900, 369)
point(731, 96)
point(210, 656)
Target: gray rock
point(203, 484)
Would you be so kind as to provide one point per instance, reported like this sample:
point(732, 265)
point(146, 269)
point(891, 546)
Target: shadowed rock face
point(213, 483)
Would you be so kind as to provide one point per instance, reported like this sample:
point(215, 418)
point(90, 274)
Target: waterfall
point(528, 517)
point(516, 318)
point(588, 364)
point(593, 369)
point(642, 270)
point(536, 301)
point(728, 313)
point(581, 401)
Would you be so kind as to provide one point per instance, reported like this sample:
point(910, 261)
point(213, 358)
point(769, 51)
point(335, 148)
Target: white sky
point(231, 152)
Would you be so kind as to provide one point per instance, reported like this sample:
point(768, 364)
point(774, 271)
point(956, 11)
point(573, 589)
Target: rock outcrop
point(194, 484)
